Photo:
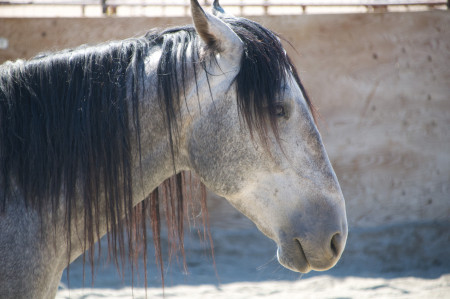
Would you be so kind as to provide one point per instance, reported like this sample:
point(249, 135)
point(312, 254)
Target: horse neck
point(183, 81)
point(158, 155)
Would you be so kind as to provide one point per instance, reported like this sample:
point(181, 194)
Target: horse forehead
point(290, 90)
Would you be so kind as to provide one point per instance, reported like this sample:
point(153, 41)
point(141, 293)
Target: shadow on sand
point(244, 254)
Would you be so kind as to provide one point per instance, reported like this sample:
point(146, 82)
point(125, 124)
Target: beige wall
point(381, 83)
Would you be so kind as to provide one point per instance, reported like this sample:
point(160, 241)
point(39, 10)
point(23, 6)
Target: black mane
point(65, 124)
point(264, 69)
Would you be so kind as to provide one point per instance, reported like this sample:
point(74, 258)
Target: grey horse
point(88, 134)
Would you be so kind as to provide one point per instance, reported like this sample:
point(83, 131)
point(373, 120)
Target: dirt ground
point(314, 288)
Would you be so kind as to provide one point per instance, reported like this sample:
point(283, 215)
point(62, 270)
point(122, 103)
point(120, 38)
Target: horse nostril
point(335, 244)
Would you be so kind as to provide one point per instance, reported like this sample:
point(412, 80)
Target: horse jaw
point(307, 224)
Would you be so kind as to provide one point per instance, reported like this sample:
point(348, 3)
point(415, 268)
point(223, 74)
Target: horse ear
point(215, 33)
point(217, 9)
point(219, 12)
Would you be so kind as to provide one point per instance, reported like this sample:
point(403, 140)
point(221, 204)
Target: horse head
point(256, 143)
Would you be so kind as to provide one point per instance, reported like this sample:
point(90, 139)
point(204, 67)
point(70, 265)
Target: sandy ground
point(315, 287)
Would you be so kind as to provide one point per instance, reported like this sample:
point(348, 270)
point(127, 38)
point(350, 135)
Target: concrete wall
point(381, 83)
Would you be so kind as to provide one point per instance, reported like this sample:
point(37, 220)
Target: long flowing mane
point(66, 123)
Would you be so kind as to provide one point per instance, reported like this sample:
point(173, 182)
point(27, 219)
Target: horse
point(96, 139)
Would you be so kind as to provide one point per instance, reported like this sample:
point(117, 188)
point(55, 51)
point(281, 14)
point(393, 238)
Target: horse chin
point(293, 258)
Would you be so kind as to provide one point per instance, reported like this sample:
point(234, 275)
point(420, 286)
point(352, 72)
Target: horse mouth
point(293, 257)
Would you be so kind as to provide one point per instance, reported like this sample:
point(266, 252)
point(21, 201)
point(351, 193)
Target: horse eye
point(279, 110)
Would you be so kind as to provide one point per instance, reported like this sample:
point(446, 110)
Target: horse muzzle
point(318, 248)
point(294, 256)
